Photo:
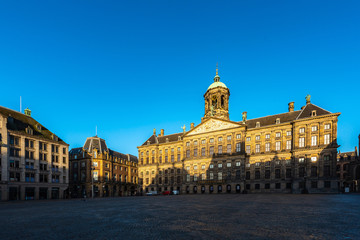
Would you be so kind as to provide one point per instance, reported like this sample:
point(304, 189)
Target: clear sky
point(131, 66)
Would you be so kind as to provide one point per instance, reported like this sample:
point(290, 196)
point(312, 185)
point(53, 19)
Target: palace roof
point(306, 112)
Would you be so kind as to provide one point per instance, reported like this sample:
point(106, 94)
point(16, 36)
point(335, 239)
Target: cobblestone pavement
point(252, 216)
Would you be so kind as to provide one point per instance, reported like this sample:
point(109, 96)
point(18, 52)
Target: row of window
point(278, 147)
point(257, 175)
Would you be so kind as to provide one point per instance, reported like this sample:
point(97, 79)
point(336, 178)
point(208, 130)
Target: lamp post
point(92, 175)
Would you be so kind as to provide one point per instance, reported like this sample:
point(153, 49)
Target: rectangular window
point(178, 157)
point(301, 160)
point(327, 126)
point(313, 159)
point(195, 167)
point(277, 146)
point(302, 130)
point(288, 173)
point(257, 137)
point(257, 148)
point(313, 140)
point(220, 139)
point(267, 147)
point(187, 153)
point(203, 141)
point(172, 158)
point(248, 139)
point(302, 142)
point(203, 151)
point(229, 137)
point(188, 177)
point(211, 152)
point(228, 150)
point(327, 139)
point(203, 167)
point(237, 163)
point(288, 133)
point(187, 144)
point(211, 166)
point(238, 136)
point(228, 164)
point(278, 135)
point(248, 149)
point(195, 152)
point(288, 144)
point(220, 165)
point(211, 176)
point(219, 175)
point(326, 171)
point(267, 174)
point(211, 140)
point(277, 173)
point(314, 128)
point(267, 136)
point(195, 177)
point(220, 149)
point(195, 143)
point(238, 147)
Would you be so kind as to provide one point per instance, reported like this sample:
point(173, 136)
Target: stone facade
point(348, 170)
point(34, 161)
point(115, 174)
point(291, 152)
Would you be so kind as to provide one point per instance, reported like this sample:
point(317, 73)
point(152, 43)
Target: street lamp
point(92, 174)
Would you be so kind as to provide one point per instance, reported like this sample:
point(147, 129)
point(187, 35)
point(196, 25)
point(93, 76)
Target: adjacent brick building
point(34, 161)
point(114, 173)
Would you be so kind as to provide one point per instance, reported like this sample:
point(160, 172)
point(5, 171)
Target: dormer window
point(257, 124)
point(278, 121)
point(148, 142)
point(29, 131)
point(313, 113)
point(179, 138)
point(38, 126)
point(167, 140)
point(54, 137)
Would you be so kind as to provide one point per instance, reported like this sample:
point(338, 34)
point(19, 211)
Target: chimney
point(291, 106)
point(161, 132)
point(191, 126)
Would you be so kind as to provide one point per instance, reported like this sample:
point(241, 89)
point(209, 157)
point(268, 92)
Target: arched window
point(214, 101)
point(222, 101)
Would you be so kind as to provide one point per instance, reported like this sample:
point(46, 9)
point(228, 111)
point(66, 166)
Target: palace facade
point(290, 152)
point(114, 173)
point(33, 160)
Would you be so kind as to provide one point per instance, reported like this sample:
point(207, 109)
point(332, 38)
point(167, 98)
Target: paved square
point(252, 216)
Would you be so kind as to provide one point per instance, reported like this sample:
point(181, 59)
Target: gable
point(212, 125)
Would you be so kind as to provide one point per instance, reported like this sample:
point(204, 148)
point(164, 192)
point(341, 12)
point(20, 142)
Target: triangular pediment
point(213, 125)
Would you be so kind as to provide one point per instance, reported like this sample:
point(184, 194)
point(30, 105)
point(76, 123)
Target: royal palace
point(291, 152)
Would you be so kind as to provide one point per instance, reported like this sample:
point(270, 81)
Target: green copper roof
point(217, 84)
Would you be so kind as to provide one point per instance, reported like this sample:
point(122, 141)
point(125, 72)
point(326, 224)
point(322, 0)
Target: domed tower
point(217, 99)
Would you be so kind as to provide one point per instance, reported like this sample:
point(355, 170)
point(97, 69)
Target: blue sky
point(131, 66)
